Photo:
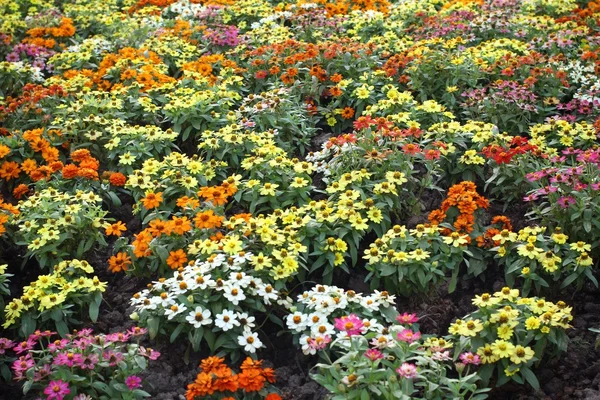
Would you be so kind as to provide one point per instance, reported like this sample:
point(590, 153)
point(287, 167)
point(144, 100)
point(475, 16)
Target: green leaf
point(94, 310)
point(153, 324)
point(530, 378)
point(176, 333)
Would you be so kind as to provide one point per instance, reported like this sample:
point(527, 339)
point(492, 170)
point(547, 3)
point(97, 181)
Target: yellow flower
point(455, 239)
point(581, 247)
point(532, 323)
point(487, 355)
point(419, 254)
point(502, 348)
point(268, 189)
point(485, 300)
point(559, 238)
point(507, 293)
point(521, 354)
point(584, 260)
point(510, 371)
point(471, 328)
point(529, 250)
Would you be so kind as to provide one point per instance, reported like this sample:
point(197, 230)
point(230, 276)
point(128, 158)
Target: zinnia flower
point(133, 382)
point(57, 390)
point(351, 324)
point(407, 370)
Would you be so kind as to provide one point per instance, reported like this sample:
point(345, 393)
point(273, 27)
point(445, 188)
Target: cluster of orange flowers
point(29, 99)
point(215, 376)
point(465, 198)
point(486, 240)
point(207, 64)
point(146, 75)
point(38, 144)
point(342, 7)
point(87, 168)
point(5, 210)
point(287, 56)
point(36, 35)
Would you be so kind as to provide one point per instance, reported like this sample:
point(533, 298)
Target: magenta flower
point(57, 390)
point(89, 362)
point(407, 318)
point(318, 343)
point(470, 358)
point(149, 353)
point(6, 344)
point(373, 354)
point(409, 336)
point(137, 331)
point(407, 370)
point(24, 346)
point(133, 382)
point(58, 345)
point(22, 364)
point(113, 357)
point(350, 324)
point(68, 358)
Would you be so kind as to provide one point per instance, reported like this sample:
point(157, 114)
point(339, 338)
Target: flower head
point(407, 370)
point(350, 324)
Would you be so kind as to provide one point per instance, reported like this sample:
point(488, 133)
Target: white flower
point(250, 341)
point(199, 317)
point(226, 320)
point(324, 328)
point(268, 293)
point(246, 320)
point(240, 279)
point(296, 321)
point(234, 294)
point(174, 310)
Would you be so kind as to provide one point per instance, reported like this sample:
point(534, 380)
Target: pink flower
point(148, 352)
point(68, 358)
point(407, 318)
point(112, 357)
point(22, 364)
point(37, 335)
point(319, 343)
point(57, 390)
point(373, 354)
point(407, 370)
point(470, 358)
point(133, 382)
point(565, 202)
point(24, 346)
point(6, 344)
point(89, 362)
point(118, 337)
point(408, 336)
point(58, 345)
point(42, 373)
point(441, 356)
point(137, 331)
point(351, 324)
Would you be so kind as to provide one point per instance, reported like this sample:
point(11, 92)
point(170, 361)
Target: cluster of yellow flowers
point(66, 284)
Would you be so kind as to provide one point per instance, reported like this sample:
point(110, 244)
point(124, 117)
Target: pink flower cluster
point(350, 324)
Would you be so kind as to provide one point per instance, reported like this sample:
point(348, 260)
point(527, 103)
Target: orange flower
point(273, 396)
point(225, 380)
point(211, 364)
point(177, 259)
point(116, 228)
point(186, 201)
point(216, 195)
point(180, 226)
point(436, 217)
point(207, 219)
point(29, 165)
point(117, 179)
point(20, 190)
point(202, 386)
point(4, 150)
point(119, 262)
point(152, 200)
point(70, 171)
point(347, 112)
point(251, 380)
point(80, 155)
point(10, 170)
point(159, 227)
point(141, 244)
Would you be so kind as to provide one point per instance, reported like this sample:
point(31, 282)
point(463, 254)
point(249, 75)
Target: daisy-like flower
point(199, 317)
point(133, 382)
point(296, 321)
point(407, 370)
point(234, 294)
point(350, 324)
point(470, 358)
point(226, 320)
point(57, 390)
point(521, 354)
point(407, 318)
point(174, 310)
point(373, 354)
point(408, 336)
point(250, 341)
